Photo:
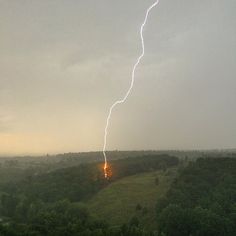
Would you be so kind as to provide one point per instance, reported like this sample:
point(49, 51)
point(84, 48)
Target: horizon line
point(233, 149)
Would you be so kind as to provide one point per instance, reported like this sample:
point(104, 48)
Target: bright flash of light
point(105, 167)
point(129, 90)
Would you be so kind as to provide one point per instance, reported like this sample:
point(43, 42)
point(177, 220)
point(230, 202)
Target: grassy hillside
point(117, 203)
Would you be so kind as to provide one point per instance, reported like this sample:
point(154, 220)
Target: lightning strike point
point(129, 89)
point(105, 170)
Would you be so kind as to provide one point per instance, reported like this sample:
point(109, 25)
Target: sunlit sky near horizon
point(63, 63)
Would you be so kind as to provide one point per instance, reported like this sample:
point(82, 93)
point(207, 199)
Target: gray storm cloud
point(62, 64)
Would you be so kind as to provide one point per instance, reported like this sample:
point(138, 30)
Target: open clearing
point(117, 202)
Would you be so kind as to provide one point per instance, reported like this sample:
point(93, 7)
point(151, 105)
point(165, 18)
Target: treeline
point(50, 204)
point(201, 201)
point(53, 162)
point(130, 166)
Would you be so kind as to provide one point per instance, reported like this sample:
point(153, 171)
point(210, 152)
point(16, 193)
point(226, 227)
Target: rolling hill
point(133, 196)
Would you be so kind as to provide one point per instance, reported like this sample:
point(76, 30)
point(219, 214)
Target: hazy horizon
point(62, 64)
point(216, 150)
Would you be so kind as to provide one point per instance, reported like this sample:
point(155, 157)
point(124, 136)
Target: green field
point(117, 202)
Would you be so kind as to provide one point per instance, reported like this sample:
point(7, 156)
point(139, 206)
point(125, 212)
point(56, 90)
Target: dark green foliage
point(35, 206)
point(144, 211)
point(176, 221)
point(138, 207)
point(61, 218)
point(131, 166)
point(201, 202)
point(9, 202)
point(157, 181)
point(83, 181)
point(134, 221)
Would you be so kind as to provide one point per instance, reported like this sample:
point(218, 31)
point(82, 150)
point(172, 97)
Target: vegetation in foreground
point(51, 204)
point(200, 201)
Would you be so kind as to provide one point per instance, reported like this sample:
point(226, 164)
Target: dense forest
point(52, 203)
point(201, 200)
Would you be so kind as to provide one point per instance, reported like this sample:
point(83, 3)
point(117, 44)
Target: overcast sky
point(63, 63)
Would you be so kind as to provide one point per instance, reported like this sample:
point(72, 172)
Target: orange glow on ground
point(107, 171)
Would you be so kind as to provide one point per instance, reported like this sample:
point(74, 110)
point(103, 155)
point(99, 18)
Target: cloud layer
point(62, 64)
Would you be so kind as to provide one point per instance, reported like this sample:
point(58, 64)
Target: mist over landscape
point(117, 118)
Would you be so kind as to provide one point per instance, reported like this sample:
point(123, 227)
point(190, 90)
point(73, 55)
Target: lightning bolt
point(129, 90)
